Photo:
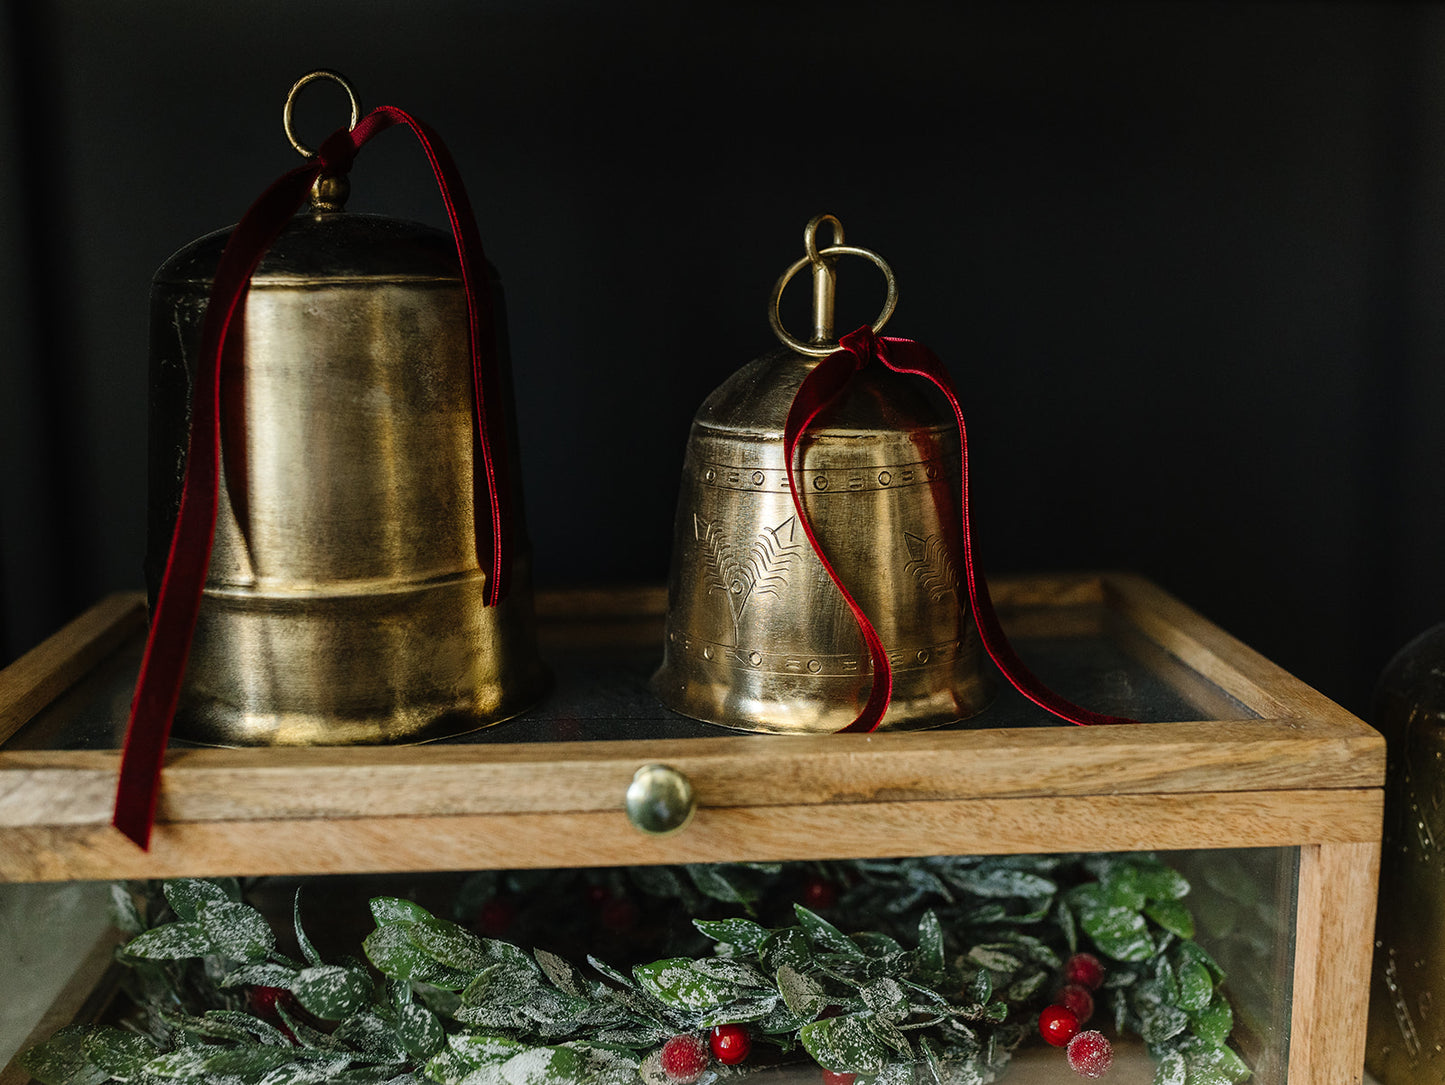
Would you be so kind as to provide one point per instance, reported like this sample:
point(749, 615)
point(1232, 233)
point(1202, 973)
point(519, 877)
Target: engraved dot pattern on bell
point(758, 636)
point(344, 601)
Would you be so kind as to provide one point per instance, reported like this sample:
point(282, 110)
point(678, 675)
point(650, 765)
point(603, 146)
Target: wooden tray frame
point(1302, 773)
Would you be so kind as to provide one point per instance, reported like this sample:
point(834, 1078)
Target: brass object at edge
point(344, 600)
point(758, 637)
point(660, 800)
point(1405, 1040)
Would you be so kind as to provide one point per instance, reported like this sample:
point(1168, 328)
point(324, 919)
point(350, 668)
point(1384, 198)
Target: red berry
point(819, 893)
point(495, 916)
point(618, 914)
point(1076, 999)
point(1085, 969)
point(730, 1044)
point(837, 1077)
point(684, 1058)
point(1057, 1025)
point(267, 1002)
point(1090, 1054)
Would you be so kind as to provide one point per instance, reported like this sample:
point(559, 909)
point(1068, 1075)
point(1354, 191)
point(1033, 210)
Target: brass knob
point(660, 800)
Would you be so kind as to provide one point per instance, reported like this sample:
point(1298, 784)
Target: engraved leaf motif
point(931, 565)
point(762, 572)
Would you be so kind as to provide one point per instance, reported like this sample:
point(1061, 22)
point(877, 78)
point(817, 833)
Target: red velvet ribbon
point(827, 380)
point(178, 600)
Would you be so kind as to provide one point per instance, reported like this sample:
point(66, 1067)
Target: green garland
point(963, 955)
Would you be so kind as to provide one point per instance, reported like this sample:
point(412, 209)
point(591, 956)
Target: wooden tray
point(1235, 753)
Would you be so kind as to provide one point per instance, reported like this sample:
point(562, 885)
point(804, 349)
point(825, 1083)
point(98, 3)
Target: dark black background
point(1183, 261)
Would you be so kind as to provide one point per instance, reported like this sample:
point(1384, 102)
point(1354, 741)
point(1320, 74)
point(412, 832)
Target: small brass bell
point(344, 601)
point(758, 635)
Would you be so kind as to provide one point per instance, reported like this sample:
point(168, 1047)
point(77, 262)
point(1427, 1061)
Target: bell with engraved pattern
point(758, 635)
point(345, 600)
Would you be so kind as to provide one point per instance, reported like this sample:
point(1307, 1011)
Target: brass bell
point(344, 598)
point(758, 636)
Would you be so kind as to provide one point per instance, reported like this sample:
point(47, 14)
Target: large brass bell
point(758, 636)
point(344, 598)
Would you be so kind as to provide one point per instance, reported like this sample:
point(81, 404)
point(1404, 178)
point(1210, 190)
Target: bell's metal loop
point(758, 636)
point(824, 288)
point(310, 77)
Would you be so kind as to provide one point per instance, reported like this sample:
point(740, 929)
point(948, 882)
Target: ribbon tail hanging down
point(178, 597)
point(828, 379)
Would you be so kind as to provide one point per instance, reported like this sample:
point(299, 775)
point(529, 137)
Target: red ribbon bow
point(178, 600)
point(827, 380)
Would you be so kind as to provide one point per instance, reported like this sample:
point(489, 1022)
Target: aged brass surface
point(344, 599)
point(758, 637)
point(660, 800)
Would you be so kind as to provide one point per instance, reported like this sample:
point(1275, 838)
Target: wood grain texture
point(57, 663)
point(1334, 933)
point(780, 832)
point(49, 787)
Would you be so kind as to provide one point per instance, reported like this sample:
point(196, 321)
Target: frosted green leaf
point(1195, 952)
point(677, 982)
point(822, 936)
point(891, 1036)
point(563, 975)
point(542, 1066)
point(742, 934)
point(1172, 916)
point(501, 984)
point(615, 975)
point(743, 1010)
point(788, 946)
point(1215, 1022)
point(635, 1035)
point(929, 954)
point(121, 1054)
point(712, 882)
point(263, 974)
point(993, 882)
point(332, 992)
point(877, 945)
point(1119, 933)
point(474, 1050)
point(737, 973)
point(1122, 888)
point(449, 944)
point(370, 1035)
point(186, 895)
point(172, 942)
point(419, 1031)
point(1196, 988)
point(394, 953)
point(123, 912)
point(236, 930)
point(1160, 1022)
point(247, 1062)
point(996, 957)
point(307, 949)
point(1161, 882)
point(1171, 1070)
point(61, 1060)
point(803, 995)
point(1022, 990)
point(1064, 917)
point(395, 910)
point(303, 1072)
point(844, 1045)
point(887, 999)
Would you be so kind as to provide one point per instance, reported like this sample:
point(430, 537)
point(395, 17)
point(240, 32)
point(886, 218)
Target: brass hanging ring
point(822, 350)
point(319, 73)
